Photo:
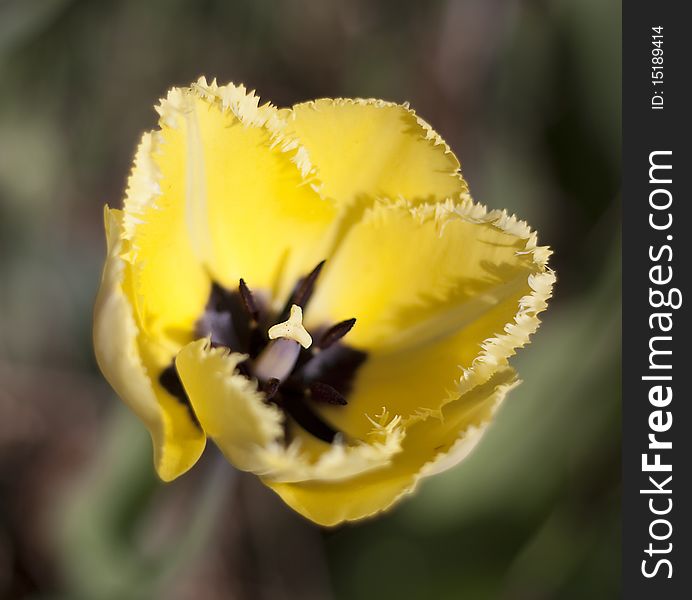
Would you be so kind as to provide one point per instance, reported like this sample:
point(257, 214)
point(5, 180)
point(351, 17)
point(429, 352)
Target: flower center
point(294, 368)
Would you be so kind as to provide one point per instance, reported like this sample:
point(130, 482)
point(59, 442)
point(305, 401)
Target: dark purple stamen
point(305, 287)
point(270, 387)
point(336, 366)
point(325, 393)
point(335, 333)
point(248, 301)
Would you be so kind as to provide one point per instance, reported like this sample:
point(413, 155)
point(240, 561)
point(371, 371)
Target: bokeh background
point(528, 95)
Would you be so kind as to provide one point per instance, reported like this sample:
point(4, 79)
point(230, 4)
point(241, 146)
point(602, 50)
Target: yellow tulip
point(314, 290)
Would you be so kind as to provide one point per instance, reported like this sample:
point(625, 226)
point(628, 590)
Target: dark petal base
point(323, 374)
point(170, 381)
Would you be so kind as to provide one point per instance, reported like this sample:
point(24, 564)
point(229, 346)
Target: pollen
point(292, 329)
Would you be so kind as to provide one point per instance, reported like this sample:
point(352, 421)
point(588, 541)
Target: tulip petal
point(309, 459)
point(167, 287)
point(425, 446)
point(115, 332)
point(166, 283)
point(229, 407)
point(250, 433)
point(177, 441)
point(355, 147)
point(443, 295)
point(248, 211)
point(206, 194)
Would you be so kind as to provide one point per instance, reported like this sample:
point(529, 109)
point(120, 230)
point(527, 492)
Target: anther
point(248, 301)
point(270, 387)
point(307, 286)
point(322, 392)
point(335, 333)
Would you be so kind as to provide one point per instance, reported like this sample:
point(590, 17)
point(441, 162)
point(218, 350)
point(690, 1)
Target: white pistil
point(279, 357)
point(292, 329)
point(277, 360)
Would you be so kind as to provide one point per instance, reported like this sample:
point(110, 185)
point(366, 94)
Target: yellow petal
point(177, 441)
point(309, 459)
point(443, 295)
point(208, 195)
point(426, 444)
point(371, 147)
point(166, 284)
point(250, 433)
point(115, 333)
point(248, 209)
point(229, 407)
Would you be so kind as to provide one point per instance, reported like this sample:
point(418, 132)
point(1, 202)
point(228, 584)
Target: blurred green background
point(528, 96)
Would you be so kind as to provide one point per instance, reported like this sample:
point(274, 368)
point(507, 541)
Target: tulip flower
point(315, 291)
